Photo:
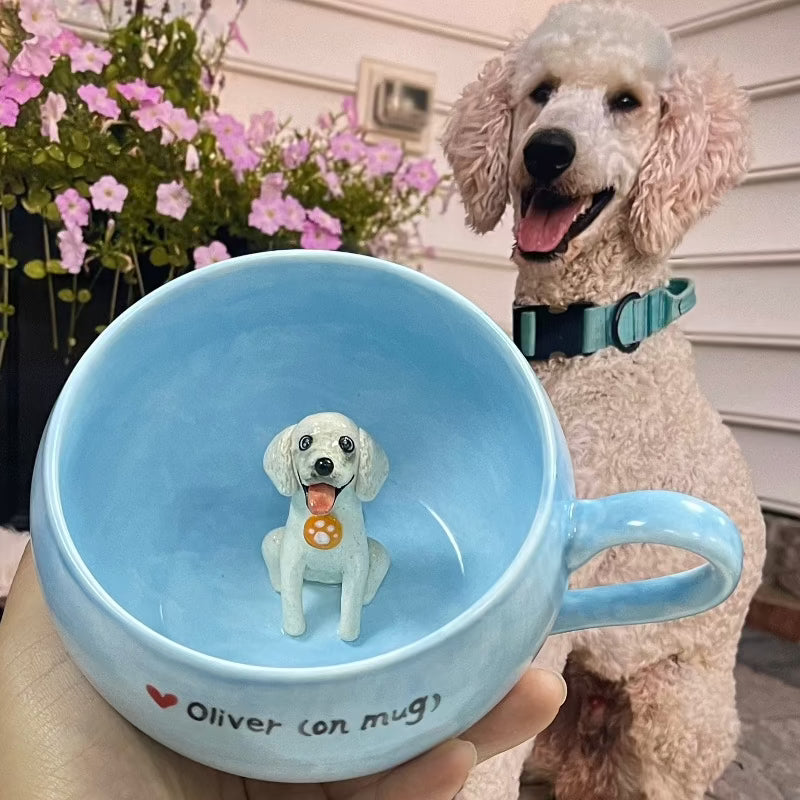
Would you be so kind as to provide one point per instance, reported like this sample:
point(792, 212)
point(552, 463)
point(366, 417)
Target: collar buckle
point(541, 332)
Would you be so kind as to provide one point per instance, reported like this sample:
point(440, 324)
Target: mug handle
point(655, 517)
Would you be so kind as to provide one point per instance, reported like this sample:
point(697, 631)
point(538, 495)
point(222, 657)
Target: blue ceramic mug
point(149, 507)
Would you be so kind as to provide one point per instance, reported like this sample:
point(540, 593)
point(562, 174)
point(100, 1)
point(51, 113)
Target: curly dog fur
point(651, 714)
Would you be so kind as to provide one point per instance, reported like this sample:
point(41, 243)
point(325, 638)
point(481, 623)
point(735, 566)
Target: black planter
point(33, 373)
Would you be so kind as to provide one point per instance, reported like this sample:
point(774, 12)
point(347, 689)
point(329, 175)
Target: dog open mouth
point(321, 497)
point(548, 220)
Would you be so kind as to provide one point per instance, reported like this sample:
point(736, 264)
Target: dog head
point(590, 120)
point(323, 455)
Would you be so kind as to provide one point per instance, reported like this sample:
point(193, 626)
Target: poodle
point(609, 148)
point(329, 467)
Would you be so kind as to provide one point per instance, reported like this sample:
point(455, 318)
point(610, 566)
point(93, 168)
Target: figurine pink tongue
point(541, 229)
point(321, 498)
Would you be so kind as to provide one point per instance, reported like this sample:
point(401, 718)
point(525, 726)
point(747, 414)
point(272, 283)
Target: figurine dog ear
point(278, 463)
point(373, 467)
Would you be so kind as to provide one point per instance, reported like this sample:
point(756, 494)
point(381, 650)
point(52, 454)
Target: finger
point(525, 711)
point(439, 774)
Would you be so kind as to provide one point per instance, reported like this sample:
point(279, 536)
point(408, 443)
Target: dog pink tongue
point(321, 498)
point(541, 229)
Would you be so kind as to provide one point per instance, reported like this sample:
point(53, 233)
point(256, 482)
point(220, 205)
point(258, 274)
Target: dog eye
point(541, 94)
point(624, 101)
point(305, 442)
point(346, 443)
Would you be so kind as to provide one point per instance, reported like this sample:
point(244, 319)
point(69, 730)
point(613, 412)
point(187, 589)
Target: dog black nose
point(548, 154)
point(323, 466)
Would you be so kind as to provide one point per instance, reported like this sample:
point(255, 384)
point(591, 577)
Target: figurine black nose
point(323, 466)
point(548, 154)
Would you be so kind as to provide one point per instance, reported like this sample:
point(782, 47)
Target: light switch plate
point(417, 83)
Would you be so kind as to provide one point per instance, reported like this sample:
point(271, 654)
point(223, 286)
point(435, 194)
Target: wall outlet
point(396, 102)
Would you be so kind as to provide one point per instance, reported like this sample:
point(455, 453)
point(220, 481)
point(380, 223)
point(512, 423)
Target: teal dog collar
point(582, 329)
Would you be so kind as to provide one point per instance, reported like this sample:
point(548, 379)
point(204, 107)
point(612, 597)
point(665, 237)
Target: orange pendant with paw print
point(323, 532)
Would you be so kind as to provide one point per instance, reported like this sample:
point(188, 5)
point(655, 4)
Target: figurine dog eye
point(347, 444)
point(305, 442)
point(541, 94)
point(624, 101)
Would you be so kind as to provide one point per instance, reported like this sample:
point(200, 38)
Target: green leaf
point(35, 269)
point(81, 141)
point(8, 201)
point(108, 260)
point(38, 198)
point(54, 267)
point(72, 341)
point(113, 148)
point(52, 213)
point(38, 157)
point(67, 295)
point(55, 152)
point(7, 310)
point(84, 296)
point(3, 335)
point(75, 160)
point(159, 257)
point(82, 188)
point(100, 328)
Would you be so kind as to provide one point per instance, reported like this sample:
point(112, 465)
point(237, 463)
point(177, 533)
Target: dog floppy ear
point(278, 463)
point(702, 149)
point(476, 142)
point(373, 467)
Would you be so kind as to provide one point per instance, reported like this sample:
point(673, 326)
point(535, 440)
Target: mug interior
point(163, 426)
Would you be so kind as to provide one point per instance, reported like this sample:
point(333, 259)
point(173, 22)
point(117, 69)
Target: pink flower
point(52, 110)
point(98, 101)
point(421, 175)
point(266, 215)
point(347, 147)
point(316, 238)
point(39, 18)
point(235, 35)
point(73, 249)
point(325, 221)
point(325, 121)
point(322, 164)
point(216, 251)
point(149, 116)
point(108, 194)
point(34, 58)
point(262, 126)
point(73, 208)
point(179, 123)
point(239, 154)
point(294, 215)
point(89, 58)
point(226, 127)
point(383, 158)
point(207, 120)
point(349, 108)
point(192, 159)
point(296, 154)
point(140, 92)
point(20, 88)
point(333, 183)
point(272, 186)
point(9, 111)
point(64, 42)
point(173, 199)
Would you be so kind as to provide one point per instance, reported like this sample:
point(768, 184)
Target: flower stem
point(113, 307)
point(138, 271)
point(72, 319)
point(50, 290)
point(5, 284)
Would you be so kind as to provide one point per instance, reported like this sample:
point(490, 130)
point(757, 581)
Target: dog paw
point(295, 627)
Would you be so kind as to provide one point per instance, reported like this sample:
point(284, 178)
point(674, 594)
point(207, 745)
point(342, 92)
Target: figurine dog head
point(323, 455)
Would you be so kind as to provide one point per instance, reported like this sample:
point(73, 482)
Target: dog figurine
point(609, 148)
point(329, 467)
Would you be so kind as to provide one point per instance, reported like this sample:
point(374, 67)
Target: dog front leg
point(292, 574)
point(354, 583)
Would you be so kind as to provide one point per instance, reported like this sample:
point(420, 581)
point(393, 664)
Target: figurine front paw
point(295, 627)
point(349, 633)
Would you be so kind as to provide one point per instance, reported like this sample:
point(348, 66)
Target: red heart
point(163, 700)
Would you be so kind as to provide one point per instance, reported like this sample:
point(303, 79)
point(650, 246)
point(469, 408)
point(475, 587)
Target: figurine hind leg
point(378, 567)
point(271, 551)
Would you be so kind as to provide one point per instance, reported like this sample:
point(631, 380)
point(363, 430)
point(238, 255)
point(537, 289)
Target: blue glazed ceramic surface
point(150, 503)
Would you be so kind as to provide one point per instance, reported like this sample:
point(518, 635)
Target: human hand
point(62, 741)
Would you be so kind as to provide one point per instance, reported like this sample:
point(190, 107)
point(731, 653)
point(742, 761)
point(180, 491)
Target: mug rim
point(220, 667)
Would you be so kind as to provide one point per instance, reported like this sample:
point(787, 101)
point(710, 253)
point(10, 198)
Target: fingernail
point(563, 683)
point(464, 744)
